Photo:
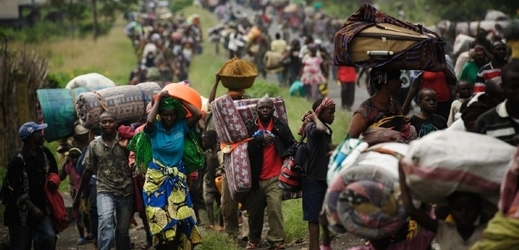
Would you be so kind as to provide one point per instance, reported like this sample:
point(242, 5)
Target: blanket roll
point(128, 103)
point(364, 198)
point(56, 107)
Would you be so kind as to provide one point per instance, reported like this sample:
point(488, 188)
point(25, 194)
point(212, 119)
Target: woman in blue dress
point(169, 208)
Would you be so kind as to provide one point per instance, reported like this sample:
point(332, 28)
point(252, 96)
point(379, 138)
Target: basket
point(237, 82)
point(238, 74)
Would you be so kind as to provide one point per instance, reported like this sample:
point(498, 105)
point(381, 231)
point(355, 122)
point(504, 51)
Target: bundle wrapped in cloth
point(363, 198)
point(90, 80)
point(371, 38)
point(128, 103)
point(502, 232)
point(445, 162)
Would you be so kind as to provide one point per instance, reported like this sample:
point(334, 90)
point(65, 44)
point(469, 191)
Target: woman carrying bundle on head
point(168, 206)
point(380, 118)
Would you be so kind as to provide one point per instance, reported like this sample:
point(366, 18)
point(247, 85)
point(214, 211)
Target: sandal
point(251, 245)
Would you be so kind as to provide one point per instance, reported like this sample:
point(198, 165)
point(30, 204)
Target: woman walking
point(168, 206)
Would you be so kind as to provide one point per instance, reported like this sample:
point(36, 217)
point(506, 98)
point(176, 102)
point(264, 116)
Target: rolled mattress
point(128, 103)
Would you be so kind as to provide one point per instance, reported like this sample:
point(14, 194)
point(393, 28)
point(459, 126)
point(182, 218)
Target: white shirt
point(448, 238)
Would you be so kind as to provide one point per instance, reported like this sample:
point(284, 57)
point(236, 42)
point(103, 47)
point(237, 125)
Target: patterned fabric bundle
point(364, 197)
point(128, 103)
point(141, 145)
point(414, 48)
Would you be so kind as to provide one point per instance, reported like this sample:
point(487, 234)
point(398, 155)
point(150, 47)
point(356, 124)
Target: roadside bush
point(261, 88)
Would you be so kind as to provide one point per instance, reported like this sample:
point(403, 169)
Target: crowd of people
point(121, 169)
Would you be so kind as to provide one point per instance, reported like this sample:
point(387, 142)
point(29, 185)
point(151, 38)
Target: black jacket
point(282, 141)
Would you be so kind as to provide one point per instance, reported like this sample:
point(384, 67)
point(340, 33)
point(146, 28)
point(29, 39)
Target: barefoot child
point(319, 139)
point(212, 161)
point(426, 121)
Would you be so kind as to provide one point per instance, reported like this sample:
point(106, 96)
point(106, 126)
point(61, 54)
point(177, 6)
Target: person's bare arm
point(320, 128)
point(85, 178)
point(196, 114)
point(150, 121)
point(212, 95)
point(357, 126)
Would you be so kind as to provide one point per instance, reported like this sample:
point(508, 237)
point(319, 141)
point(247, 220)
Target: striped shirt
point(486, 73)
point(497, 123)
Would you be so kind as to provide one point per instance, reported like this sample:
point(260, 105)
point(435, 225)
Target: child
point(465, 209)
point(212, 161)
point(426, 121)
point(89, 196)
point(464, 90)
point(319, 139)
point(311, 74)
point(69, 168)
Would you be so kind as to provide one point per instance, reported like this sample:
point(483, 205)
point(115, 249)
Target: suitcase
point(370, 38)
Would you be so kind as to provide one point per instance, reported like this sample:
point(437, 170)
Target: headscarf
point(327, 102)
point(169, 103)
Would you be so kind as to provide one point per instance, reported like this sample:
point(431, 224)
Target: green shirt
point(110, 164)
point(469, 72)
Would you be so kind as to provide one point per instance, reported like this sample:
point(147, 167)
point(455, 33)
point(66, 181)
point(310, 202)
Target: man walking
point(109, 161)
point(271, 137)
point(27, 211)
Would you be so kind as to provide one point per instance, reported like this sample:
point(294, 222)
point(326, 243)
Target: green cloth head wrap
point(172, 104)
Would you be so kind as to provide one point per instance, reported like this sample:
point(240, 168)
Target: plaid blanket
point(424, 55)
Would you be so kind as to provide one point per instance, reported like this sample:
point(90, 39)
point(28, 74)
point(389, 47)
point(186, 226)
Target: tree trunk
point(95, 29)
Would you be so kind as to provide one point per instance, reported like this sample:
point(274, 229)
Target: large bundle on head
point(238, 74)
point(371, 38)
point(445, 162)
point(128, 103)
point(56, 107)
point(363, 198)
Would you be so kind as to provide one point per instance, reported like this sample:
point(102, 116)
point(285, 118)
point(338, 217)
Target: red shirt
point(271, 160)
point(436, 81)
point(346, 74)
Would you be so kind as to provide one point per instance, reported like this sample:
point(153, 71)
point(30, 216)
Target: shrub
point(261, 88)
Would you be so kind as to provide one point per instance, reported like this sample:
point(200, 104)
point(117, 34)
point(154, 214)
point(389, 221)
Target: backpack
point(291, 170)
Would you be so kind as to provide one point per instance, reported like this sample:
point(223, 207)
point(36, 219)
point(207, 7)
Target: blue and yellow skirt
point(168, 206)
